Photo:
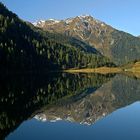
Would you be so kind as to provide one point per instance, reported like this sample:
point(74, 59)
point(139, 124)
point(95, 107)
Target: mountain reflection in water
point(81, 98)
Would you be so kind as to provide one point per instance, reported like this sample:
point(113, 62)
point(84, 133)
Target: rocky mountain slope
point(121, 47)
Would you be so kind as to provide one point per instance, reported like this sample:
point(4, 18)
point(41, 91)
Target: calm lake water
point(69, 107)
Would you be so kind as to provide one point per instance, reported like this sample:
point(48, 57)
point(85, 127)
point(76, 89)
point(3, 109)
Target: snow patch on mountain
point(42, 22)
point(54, 20)
point(83, 18)
point(68, 21)
point(39, 22)
point(43, 118)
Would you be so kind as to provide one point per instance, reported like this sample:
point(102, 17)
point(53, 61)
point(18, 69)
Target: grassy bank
point(102, 70)
point(134, 68)
point(131, 68)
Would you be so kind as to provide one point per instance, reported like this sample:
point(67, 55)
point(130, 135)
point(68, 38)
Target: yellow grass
point(102, 70)
point(135, 68)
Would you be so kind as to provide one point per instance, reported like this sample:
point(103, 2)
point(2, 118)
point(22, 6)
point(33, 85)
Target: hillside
point(119, 46)
point(25, 47)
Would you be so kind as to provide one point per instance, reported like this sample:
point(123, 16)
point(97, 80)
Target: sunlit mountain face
point(119, 46)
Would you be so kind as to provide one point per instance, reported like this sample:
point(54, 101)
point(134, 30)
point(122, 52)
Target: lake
point(60, 106)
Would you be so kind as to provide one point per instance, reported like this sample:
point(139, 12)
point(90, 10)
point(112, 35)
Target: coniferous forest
point(25, 47)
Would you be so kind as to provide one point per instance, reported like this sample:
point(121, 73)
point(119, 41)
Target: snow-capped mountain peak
point(82, 18)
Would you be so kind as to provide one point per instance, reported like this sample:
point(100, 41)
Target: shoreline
point(104, 70)
point(101, 70)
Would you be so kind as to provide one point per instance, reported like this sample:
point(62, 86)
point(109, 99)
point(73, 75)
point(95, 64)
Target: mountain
point(25, 47)
point(119, 46)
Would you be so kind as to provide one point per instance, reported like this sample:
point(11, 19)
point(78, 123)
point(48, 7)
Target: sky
point(121, 14)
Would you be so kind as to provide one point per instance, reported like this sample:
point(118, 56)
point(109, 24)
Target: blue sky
point(121, 14)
